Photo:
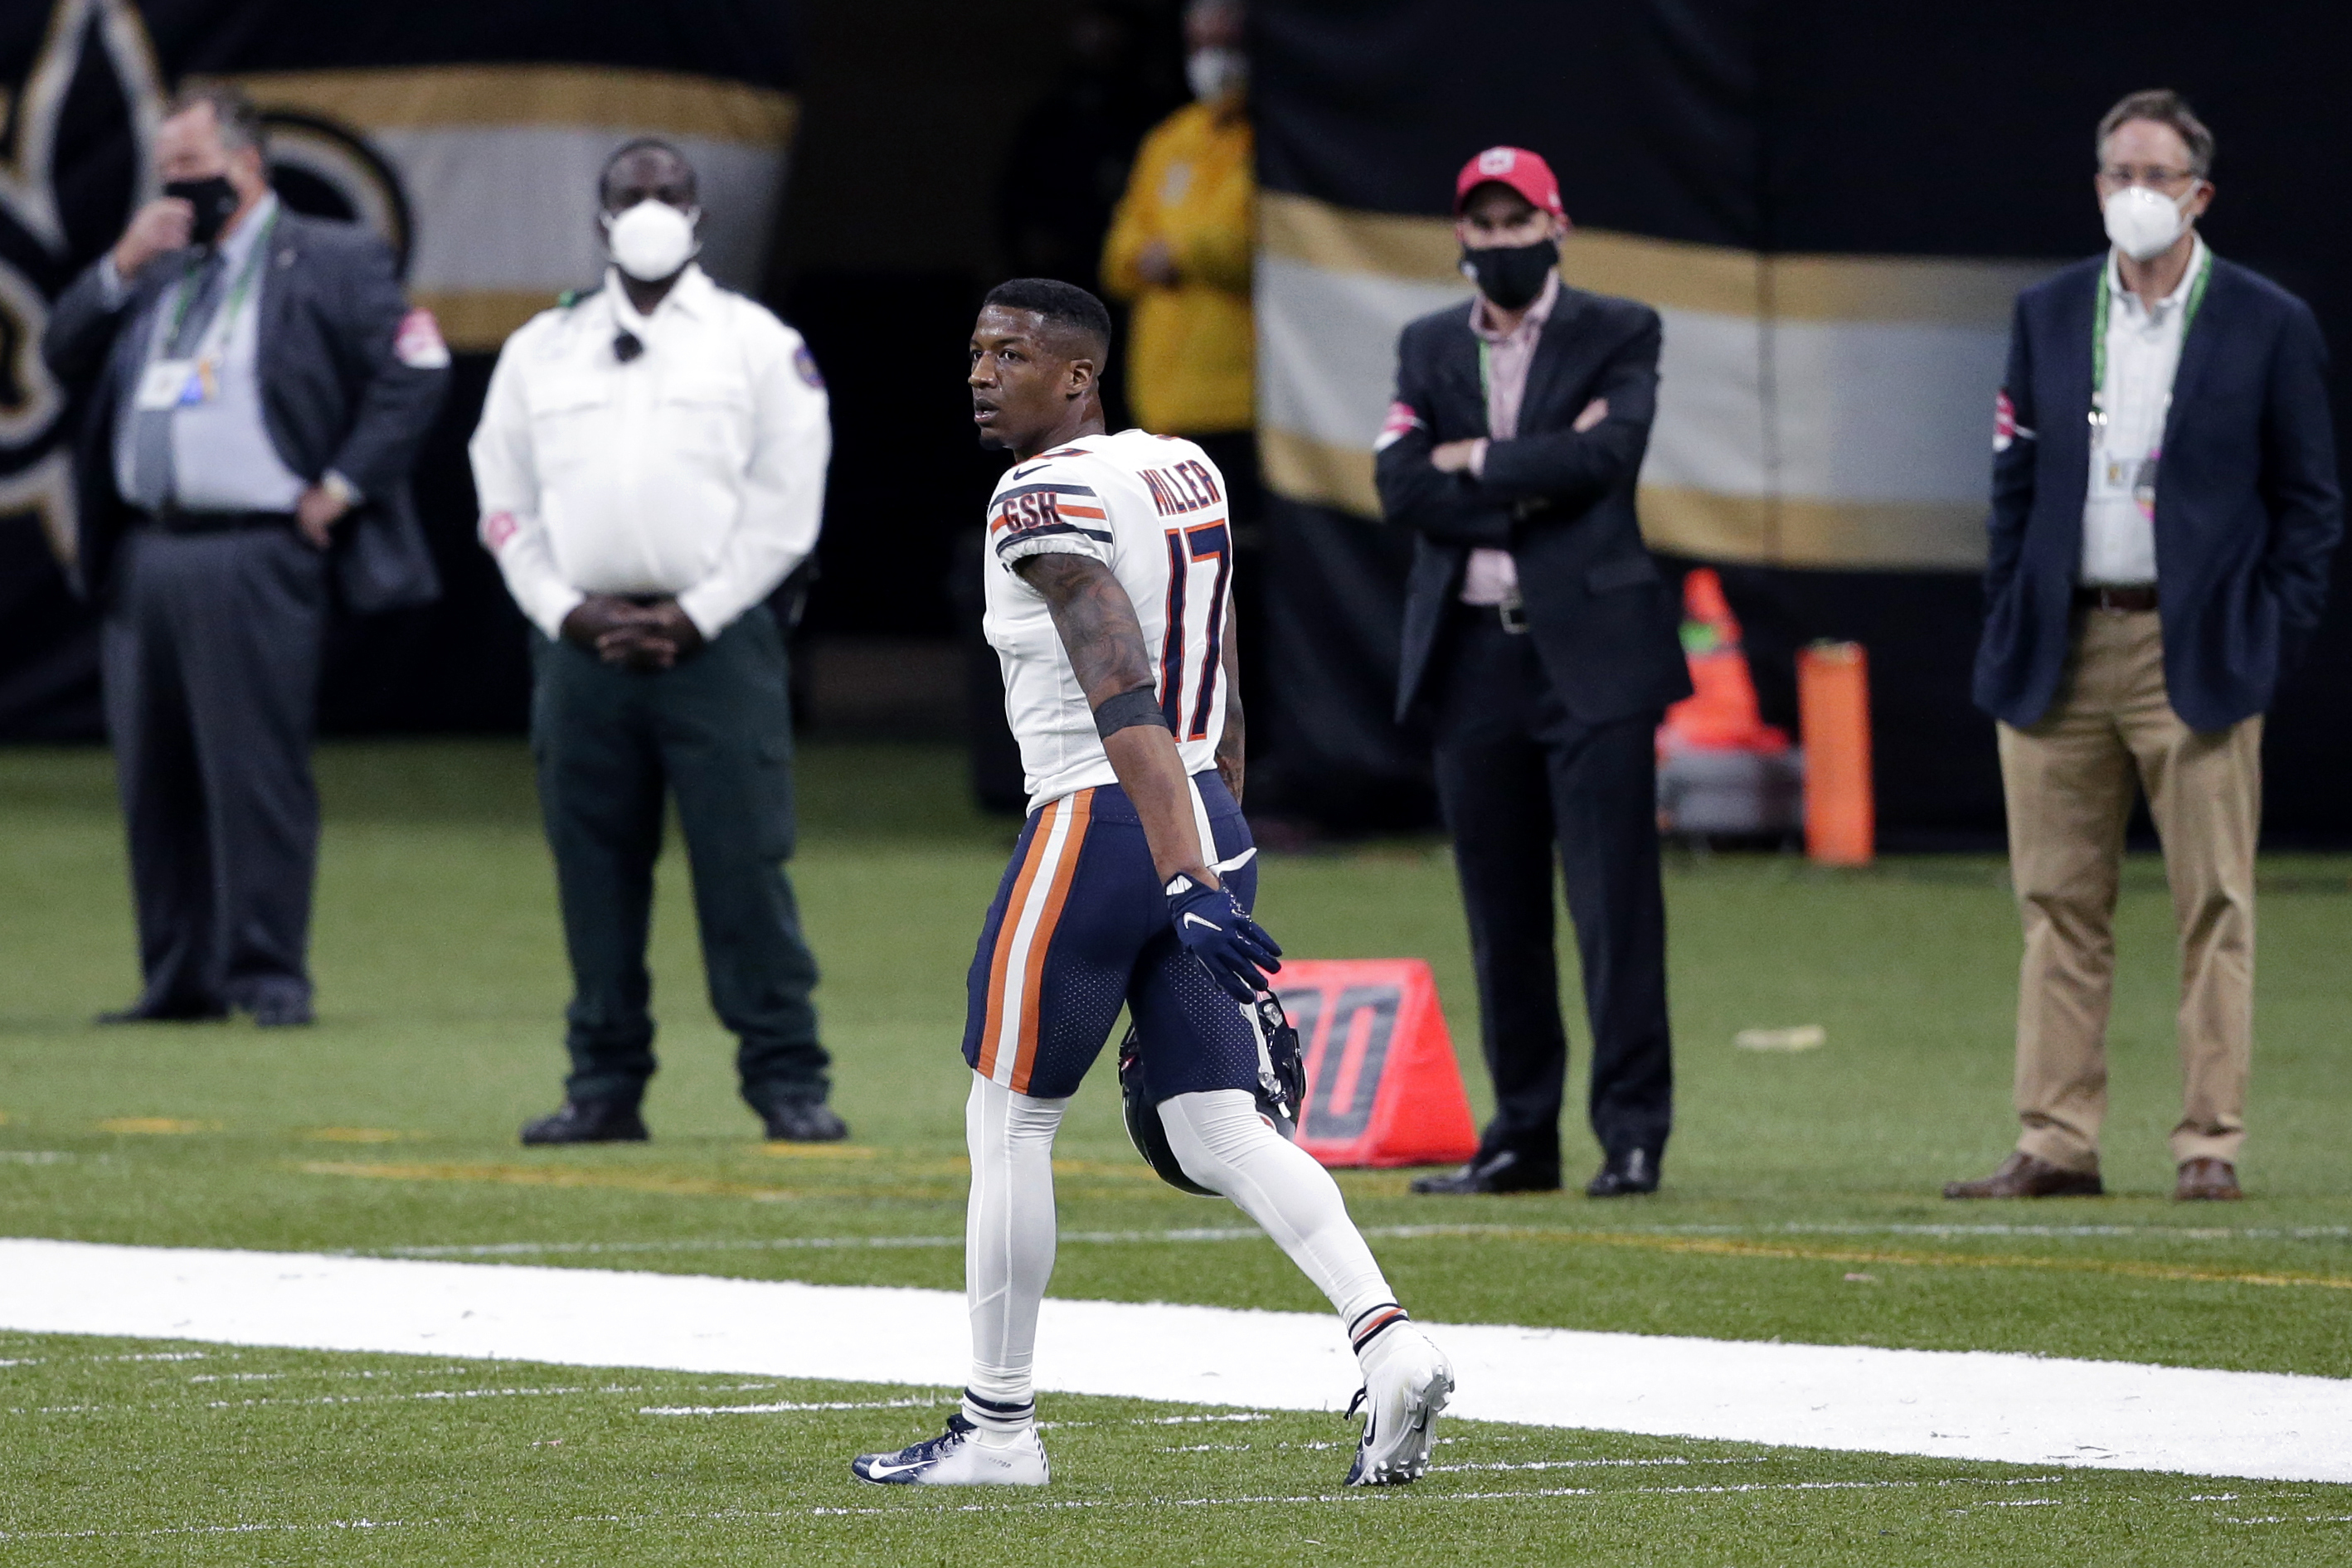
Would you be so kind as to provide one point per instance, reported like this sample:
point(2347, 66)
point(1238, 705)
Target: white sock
point(1225, 1146)
point(1008, 1250)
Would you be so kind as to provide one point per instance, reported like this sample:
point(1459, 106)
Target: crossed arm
point(1104, 639)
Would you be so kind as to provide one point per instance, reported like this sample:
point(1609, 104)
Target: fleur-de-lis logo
point(45, 237)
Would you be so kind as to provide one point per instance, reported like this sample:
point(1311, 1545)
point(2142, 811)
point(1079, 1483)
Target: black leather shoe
point(147, 1012)
point(801, 1119)
point(1623, 1175)
point(1501, 1171)
point(282, 1012)
point(589, 1122)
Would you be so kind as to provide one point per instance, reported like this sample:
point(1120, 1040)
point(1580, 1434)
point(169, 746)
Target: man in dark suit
point(255, 389)
point(1540, 643)
point(2164, 507)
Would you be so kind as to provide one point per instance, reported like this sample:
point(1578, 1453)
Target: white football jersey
point(1153, 508)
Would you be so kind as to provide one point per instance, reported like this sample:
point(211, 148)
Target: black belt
point(2137, 597)
point(176, 519)
point(1512, 618)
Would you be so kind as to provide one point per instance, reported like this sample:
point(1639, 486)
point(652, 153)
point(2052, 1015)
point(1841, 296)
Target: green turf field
point(1800, 1205)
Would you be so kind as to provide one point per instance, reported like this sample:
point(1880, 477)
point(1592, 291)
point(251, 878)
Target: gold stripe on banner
point(1857, 535)
point(1317, 472)
point(1666, 273)
point(1854, 535)
point(479, 320)
point(614, 96)
point(1925, 291)
point(1671, 275)
point(1337, 239)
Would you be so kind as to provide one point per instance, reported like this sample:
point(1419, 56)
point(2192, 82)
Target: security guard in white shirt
point(650, 465)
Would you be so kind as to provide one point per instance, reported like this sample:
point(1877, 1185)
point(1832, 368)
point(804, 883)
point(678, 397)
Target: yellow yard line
point(555, 1175)
point(684, 1185)
point(155, 1126)
point(1719, 1246)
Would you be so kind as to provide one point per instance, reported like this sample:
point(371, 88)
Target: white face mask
point(1213, 73)
point(2142, 222)
point(651, 240)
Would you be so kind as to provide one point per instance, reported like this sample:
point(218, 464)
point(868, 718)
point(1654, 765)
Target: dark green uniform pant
point(717, 731)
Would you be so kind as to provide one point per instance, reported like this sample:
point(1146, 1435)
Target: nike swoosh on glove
point(1215, 928)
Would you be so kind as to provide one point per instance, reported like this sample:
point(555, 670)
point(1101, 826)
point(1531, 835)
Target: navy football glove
point(1215, 928)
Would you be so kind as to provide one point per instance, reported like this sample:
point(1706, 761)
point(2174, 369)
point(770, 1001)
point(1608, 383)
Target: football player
point(1109, 603)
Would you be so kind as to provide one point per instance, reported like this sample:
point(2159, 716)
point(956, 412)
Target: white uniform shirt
point(2143, 352)
point(1153, 508)
point(694, 469)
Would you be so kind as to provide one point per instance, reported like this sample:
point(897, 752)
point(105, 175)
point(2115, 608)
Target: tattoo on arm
point(1096, 622)
point(1100, 632)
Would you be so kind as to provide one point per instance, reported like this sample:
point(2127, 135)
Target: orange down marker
point(1382, 1085)
point(1833, 709)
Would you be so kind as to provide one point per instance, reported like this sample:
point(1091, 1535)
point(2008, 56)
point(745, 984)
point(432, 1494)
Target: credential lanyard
point(216, 332)
point(2099, 335)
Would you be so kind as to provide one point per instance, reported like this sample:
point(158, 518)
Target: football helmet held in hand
point(1281, 1090)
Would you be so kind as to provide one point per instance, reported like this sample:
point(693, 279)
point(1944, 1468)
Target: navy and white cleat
point(958, 1458)
point(1407, 1380)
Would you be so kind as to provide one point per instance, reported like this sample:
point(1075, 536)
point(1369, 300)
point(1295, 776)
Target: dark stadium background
point(1802, 125)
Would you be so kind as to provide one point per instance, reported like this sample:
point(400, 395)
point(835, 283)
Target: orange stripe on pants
point(1005, 929)
point(1081, 805)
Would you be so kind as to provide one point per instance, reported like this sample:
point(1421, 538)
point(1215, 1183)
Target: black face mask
point(1511, 275)
point(214, 198)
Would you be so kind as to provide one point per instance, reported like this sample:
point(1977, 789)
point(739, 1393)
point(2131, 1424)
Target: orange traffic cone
point(1382, 1085)
point(1721, 714)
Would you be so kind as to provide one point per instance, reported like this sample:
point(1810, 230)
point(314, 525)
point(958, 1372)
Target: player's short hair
point(1065, 307)
point(2165, 107)
point(238, 117)
point(643, 144)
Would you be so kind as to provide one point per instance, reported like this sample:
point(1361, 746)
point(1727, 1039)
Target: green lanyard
point(237, 291)
point(2099, 334)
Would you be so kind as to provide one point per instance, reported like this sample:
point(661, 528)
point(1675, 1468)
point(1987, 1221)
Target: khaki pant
point(2068, 781)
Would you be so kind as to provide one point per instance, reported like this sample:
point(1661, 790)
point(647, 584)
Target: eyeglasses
point(2153, 174)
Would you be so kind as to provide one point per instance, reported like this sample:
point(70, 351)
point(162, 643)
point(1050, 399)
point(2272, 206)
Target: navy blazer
point(2248, 509)
point(1604, 619)
point(334, 395)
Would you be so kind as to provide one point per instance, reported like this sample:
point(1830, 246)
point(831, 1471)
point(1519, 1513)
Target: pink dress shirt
point(1492, 577)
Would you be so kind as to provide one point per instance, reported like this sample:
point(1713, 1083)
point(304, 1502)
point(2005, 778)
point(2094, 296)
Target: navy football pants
point(1080, 929)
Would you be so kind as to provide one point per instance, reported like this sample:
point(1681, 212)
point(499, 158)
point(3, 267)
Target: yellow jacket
point(1191, 353)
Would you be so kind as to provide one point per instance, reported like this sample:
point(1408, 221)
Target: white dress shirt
point(2143, 352)
point(694, 469)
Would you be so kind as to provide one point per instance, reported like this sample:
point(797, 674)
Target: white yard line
point(1951, 1405)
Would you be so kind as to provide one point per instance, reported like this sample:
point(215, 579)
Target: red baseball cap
point(1521, 170)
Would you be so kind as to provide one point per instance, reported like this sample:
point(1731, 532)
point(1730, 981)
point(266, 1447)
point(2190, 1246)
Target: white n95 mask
point(2142, 222)
point(651, 240)
point(1214, 72)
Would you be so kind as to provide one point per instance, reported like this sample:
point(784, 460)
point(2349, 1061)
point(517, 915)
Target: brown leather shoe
point(2207, 1179)
point(2022, 1175)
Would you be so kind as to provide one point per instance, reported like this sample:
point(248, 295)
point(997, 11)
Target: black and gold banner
point(1831, 204)
point(468, 133)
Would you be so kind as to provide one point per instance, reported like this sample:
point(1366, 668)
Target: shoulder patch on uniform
point(571, 296)
point(805, 363)
point(418, 343)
